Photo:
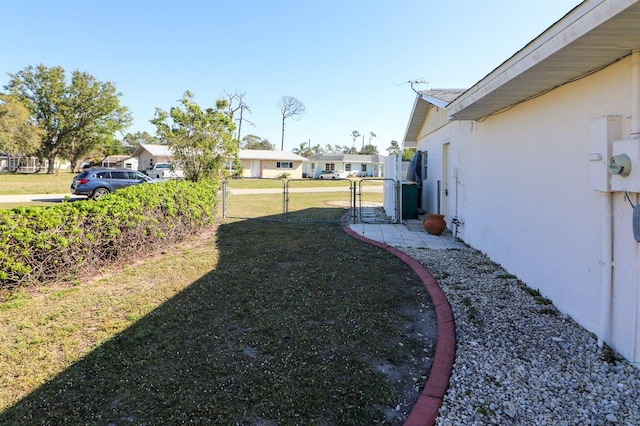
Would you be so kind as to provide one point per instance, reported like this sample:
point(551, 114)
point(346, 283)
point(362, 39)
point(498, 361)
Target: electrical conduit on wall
point(607, 261)
point(635, 133)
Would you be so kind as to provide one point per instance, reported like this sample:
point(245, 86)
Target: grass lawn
point(36, 183)
point(257, 323)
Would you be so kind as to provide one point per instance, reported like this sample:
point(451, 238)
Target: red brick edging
point(425, 411)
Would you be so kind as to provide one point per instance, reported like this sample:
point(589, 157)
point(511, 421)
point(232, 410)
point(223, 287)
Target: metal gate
point(378, 201)
point(307, 200)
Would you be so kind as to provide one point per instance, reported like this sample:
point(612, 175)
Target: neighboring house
point(357, 164)
point(20, 164)
point(128, 163)
point(148, 155)
point(270, 164)
point(519, 166)
point(113, 160)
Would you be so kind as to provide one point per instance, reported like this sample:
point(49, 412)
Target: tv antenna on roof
point(415, 81)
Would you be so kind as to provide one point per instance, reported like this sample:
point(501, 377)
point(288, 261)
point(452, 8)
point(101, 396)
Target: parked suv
point(98, 181)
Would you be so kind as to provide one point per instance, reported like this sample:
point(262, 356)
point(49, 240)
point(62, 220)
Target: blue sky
point(345, 60)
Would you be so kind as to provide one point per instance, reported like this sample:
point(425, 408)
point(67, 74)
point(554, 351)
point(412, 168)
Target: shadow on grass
point(298, 324)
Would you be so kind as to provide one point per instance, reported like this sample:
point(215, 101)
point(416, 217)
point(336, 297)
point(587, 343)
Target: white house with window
point(270, 164)
point(538, 166)
point(148, 155)
point(355, 164)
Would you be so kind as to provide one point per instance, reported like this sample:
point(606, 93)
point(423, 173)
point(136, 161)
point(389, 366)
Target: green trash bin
point(409, 200)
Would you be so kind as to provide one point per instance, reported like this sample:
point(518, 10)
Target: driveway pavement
point(54, 198)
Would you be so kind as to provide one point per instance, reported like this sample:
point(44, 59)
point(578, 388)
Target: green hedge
point(43, 244)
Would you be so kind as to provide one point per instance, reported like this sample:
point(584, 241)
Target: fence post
point(354, 218)
point(224, 198)
point(397, 192)
point(285, 199)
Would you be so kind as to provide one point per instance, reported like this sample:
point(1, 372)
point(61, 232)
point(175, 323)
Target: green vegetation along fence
point(370, 200)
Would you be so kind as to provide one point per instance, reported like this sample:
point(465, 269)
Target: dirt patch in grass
point(261, 323)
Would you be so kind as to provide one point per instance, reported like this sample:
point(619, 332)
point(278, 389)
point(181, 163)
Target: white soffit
point(594, 34)
point(426, 100)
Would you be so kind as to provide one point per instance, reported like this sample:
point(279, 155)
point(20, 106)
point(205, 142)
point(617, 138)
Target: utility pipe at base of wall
point(634, 330)
point(635, 133)
point(607, 268)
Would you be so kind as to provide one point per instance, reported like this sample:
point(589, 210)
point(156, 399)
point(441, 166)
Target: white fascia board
point(434, 101)
point(579, 21)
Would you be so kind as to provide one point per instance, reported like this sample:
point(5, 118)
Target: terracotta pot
point(434, 223)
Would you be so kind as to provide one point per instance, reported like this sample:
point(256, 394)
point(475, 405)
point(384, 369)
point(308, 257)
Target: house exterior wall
point(129, 163)
point(269, 169)
point(147, 160)
point(315, 168)
point(436, 119)
point(520, 181)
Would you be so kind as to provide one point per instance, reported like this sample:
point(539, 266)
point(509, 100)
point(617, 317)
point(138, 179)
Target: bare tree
point(290, 107)
point(236, 103)
point(243, 107)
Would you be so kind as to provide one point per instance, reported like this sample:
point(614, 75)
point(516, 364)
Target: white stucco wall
point(524, 193)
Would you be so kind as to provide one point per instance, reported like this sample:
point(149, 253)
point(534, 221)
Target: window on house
point(347, 167)
point(329, 167)
point(363, 167)
point(284, 165)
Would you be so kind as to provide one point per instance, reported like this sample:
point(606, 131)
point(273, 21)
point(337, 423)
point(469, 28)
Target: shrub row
point(44, 244)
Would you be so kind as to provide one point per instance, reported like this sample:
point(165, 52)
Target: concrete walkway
point(408, 234)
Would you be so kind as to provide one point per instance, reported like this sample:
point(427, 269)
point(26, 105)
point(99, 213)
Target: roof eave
point(419, 112)
point(562, 53)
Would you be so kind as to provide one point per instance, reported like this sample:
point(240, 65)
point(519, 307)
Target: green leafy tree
point(86, 143)
point(81, 113)
point(201, 139)
point(408, 153)
point(349, 150)
point(131, 141)
point(19, 134)
point(256, 142)
point(369, 150)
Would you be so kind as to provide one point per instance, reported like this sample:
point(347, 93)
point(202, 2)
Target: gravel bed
point(519, 361)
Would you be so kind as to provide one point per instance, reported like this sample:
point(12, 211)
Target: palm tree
point(394, 148)
point(355, 135)
point(371, 136)
point(303, 151)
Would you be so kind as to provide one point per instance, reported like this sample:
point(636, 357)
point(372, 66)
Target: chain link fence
point(307, 200)
point(377, 201)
